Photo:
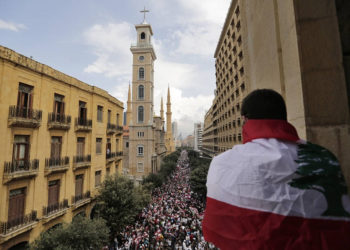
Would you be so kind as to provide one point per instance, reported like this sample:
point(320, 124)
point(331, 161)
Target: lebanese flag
point(276, 192)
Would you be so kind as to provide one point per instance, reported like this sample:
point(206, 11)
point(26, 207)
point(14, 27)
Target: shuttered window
point(79, 182)
point(56, 145)
point(80, 146)
point(21, 149)
point(16, 204)
point(98, 145)
point(54, 192)
point(97, 178)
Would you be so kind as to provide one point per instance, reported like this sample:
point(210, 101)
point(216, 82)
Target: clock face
point(141, 58)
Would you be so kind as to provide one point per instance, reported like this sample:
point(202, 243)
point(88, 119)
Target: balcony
point(54, 165)
point(110, 157)
point(83, 161)
point(55, 210)
point(83, 125)
point(80, 200)
point(24, 117)
point(119, 155)
point(20, 169)
point(58, 121)
point(119, 130)
point(12, 228)
point(111, 128)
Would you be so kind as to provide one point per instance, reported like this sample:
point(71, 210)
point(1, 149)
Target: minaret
point(169, 136)
point(162, 112)
point(128, 109)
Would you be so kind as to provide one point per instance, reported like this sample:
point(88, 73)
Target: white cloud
point(11, 26)
point(110, 43)
point(185, 110)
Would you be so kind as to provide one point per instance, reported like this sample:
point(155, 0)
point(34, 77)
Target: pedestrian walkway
point(173, 218)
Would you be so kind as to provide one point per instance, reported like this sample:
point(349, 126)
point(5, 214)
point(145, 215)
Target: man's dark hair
point(264, 104)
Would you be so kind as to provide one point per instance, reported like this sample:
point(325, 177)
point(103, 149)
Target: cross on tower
point(144, 13)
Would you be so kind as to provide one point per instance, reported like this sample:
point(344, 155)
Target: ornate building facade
point(60, 138)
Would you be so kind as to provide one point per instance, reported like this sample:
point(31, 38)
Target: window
point(79, 184)
point(54, 193)
point(82, 113)
point(56, 145)
point(80, 146)
point(140, 167)
point(21, 149)
point(140, 150)
point(108, 171)
point(108, 147)
point(17, 199)
point(98, 145)
point(127, 144)
point(117, 145)
point(25, 100)
point(99, 113)
point(109, 116)
point(140, 134)
point(140, 114)
point(58, 108)
point(141, 58)
point(141, 73)
point(97, 178)
point(143, 36)
point(117, 120)
point(141, 92)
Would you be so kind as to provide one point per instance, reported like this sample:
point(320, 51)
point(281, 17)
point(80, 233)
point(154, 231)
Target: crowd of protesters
point(173, 218)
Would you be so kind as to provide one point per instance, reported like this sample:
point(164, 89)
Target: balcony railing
point(110, 155)
point(83, 124)
point(24, 117)
point(119, 129)
point(20, 222)
point(81, 161)
point(119, 153)
point(20, 169)
point(56, 164)
point(59, 121)
point(81, 197)
point(111, 128)
point(55, 208)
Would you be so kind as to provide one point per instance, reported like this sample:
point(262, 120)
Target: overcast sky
point(90, 40)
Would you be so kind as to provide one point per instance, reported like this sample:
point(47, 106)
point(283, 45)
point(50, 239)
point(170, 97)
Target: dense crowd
point(173, 218)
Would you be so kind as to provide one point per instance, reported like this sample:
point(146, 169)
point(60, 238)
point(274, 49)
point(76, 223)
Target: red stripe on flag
point(232, 227)
point(278, 129)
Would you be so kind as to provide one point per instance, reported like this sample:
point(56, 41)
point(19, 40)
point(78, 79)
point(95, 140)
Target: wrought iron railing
point(111, 126)
point(119, 153)
point(83, 122)
point(54, 208)
point(59, 118)
point(56, 162)
point(110, 155)
point(80, 197)
point(82, 158)
point(19, 222)
point(20, 166)
point(24, 112)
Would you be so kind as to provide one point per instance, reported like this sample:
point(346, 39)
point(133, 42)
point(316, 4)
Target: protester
point(275, 191)
point(173, 218)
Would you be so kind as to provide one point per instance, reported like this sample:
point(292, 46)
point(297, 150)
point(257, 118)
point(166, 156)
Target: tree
point(119, 202)
point(198, 180)
point(82, 233)
point(319, 170)
point(154, 179)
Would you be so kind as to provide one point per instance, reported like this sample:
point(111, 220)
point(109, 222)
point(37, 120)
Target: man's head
point(264, 104)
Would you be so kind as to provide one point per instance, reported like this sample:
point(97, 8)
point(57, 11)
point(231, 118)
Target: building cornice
point(28, 63)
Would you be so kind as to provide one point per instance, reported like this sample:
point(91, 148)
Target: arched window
point(141, 73)
point(143, 35)
point(140, 114)
point(141, 93)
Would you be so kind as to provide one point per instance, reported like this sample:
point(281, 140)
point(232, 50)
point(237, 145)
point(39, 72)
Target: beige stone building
point(60, 138)
point(147, 140)
point(298, 48)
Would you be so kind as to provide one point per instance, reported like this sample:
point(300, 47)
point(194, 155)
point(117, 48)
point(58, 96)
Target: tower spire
point(161, 109)
point(169, 134)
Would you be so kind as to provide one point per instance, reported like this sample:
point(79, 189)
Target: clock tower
point(141, 132)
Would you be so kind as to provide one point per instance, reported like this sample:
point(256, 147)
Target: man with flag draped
point(275, 191)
